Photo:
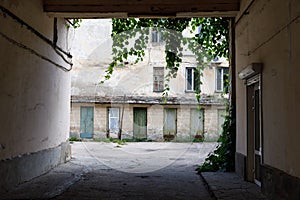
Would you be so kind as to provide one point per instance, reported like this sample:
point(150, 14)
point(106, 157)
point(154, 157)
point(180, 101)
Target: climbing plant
point(222, 159)
point(131, 36)
point(75, 23)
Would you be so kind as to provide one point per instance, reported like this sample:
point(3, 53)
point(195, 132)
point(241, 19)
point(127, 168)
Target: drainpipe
point(121, 120)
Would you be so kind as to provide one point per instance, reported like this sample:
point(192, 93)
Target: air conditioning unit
point(250, 70)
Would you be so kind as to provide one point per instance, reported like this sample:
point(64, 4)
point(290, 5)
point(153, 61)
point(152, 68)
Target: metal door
point(140, 123)
point(257, 136)
point(196, 122)
point(170, 122)
point(86, 122)
point(254, 133)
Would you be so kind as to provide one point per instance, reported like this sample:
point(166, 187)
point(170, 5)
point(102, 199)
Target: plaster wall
point(92, 48)
point(35, 94)
point(155, 120)
point(269, 33)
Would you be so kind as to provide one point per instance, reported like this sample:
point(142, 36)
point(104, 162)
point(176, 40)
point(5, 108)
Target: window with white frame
point(158, 79)
point(113, 119)
point(192, 79)
point(156, 36)
point(222, 79)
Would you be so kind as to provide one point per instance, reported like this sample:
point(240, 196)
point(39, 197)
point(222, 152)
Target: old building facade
point(131, 103)
point(35, 83)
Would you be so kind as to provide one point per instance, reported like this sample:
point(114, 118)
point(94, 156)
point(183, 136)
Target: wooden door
point(86, 122)
point(197, 123)
point(170, 122)
point(140, 123)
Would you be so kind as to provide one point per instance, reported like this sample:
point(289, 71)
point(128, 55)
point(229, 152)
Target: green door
point(86, 122)
point(140, 123)
point(197, 123)
point(221, 120)
point(170, 122)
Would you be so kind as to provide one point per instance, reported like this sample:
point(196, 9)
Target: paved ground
point(136, 171)
point(228, 186)
point(131, 171)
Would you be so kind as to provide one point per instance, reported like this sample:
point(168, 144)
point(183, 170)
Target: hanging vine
point(130, 38)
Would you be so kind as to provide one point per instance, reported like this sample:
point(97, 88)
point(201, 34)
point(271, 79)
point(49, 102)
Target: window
point(158, 79)
point(192, 78)
point(113, 120)
point(157, 36)
point(222, 79)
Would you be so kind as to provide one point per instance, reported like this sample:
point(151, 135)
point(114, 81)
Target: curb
point(210, 191)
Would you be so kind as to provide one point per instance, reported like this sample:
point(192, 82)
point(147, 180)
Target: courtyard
point(141, 170)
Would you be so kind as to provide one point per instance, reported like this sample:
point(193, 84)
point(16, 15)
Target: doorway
point(197, 121)
point(170, 123)
point(140, 123)
point(254, 130)
point(86, 122)
point(113, 121)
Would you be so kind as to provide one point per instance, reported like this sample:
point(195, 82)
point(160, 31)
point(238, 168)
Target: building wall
point(92, 56)
point(34, 93)
point(155, 120)
point(268, 33)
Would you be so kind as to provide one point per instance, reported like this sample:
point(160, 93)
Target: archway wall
point(267, 32)
point(34, 92)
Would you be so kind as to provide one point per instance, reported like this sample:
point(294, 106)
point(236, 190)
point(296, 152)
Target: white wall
point(34, 94)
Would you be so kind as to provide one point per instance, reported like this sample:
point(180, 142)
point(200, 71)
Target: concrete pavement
point(228, 186)
point(144, 170)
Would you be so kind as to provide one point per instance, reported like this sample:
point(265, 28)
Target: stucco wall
point(34, 93)
point(269, 33)
point(92, 47)
point(155, 120)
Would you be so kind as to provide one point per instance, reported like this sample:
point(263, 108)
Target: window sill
point(189, 91)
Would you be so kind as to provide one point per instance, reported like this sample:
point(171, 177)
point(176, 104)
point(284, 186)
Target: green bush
point(74, 139)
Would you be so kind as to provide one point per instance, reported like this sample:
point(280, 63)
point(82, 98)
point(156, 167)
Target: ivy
point(214, 35)
point(130, 39)
point(222, 159)
point(75, 23)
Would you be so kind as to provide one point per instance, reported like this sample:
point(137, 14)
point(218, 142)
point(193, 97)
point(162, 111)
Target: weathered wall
point(155, 120)
point(92, 49)
point(34, 93)
point(269, 33)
